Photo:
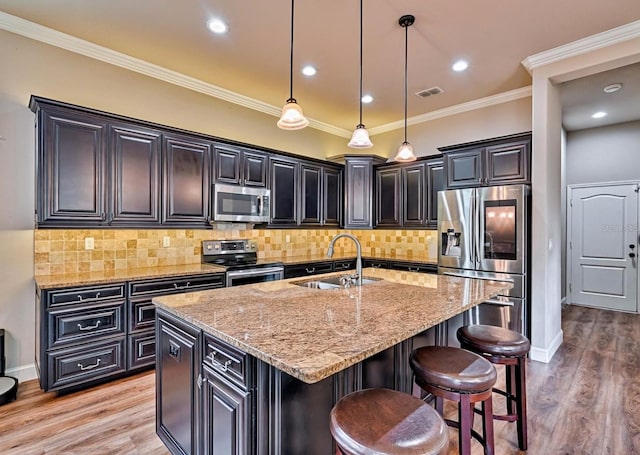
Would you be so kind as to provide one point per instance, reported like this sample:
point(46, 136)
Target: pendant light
point(292, 117)
point(360, 138)
point(405, 152)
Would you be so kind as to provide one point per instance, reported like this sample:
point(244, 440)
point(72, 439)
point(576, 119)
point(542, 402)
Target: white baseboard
point(23, 373)
point(546, 354)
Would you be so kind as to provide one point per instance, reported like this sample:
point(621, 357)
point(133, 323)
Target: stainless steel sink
point(330, 283)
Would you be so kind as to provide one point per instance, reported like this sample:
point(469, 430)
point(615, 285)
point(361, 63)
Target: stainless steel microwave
point(240, 203)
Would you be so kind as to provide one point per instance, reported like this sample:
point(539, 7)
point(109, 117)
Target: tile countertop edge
point(334, 364)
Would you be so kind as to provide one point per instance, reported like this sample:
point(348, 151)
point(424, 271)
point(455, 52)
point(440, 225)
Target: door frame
point(568, 216)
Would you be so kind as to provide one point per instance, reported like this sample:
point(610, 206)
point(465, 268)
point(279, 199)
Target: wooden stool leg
point(440, 405)
point(464, 417)
point(510, 388)
point(521, 403)
point(487, 426)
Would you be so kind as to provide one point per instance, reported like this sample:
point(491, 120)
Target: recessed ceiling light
point(217, 26)
point(599, 115)
point(367, 99)
point(309, 70)
point(460, 65)
point(612, 87)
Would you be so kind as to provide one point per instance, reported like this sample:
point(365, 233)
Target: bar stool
point(387, 422)
point(503, 347)
point(462, 376)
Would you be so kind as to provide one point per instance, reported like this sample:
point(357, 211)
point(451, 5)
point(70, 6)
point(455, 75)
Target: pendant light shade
point(360, 138)
point(292, 117)
point(405, 152)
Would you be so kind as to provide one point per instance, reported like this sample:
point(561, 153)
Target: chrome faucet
point(358, 252)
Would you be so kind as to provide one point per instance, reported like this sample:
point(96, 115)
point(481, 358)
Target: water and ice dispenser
point(451, 243)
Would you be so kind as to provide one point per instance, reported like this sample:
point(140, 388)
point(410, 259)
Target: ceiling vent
point(429, 92)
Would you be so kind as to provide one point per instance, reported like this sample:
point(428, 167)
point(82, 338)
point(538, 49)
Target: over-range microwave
point(241, 204)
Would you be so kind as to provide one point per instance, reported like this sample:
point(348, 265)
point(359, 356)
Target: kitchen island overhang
point(266, 362)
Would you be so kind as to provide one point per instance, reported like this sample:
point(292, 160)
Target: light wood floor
point(585, 401)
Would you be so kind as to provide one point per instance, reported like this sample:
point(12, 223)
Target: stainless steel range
point(240, 257)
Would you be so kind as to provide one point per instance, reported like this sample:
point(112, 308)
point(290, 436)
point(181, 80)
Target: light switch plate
point(166, 241)
point(88, 243)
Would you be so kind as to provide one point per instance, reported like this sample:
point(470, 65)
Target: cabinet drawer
point(376, 264)
point(86, 322)
point(84, 295)
point(141, 349)
point(228, 361)
point(86, 363)
point(142, 314)
point(176, 285)
point(312, 268)
point(414, 267)
point(344, 265)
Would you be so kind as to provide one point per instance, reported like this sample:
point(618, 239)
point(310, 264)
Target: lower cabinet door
point(226, 416)
point(142, 350)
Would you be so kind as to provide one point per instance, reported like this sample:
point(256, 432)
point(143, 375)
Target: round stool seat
point(453, 368)
point(384, 421)
point(492, 340)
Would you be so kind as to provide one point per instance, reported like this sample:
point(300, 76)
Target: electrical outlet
point(166, 241)
point(287, 238)
point(88, 243)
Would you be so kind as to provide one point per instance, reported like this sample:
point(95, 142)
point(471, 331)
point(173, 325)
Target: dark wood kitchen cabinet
point(389, 197)
point(284, 180)
point(72, 167)
point(500, 161)
point(240, 166)
point(135, 175)
point(435, 182)
point(307, 269)
point(332, 196)
point(358, 191)
point(178, 377)
point(186, 162)
point(311, 194)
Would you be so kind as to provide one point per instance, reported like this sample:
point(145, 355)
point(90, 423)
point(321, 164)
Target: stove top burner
point(233, 254)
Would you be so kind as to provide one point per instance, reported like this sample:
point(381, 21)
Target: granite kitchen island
point(257, 368)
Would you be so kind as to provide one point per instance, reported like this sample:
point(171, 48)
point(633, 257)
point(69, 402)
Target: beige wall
point(499, 120)
point(31, 67)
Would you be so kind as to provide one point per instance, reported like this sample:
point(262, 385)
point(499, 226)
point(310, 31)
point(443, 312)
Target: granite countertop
point(314, 333)
point(113, 276)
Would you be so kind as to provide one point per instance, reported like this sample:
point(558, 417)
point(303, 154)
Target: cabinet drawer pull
point(414, 269)
point(90, 327)
point(175, 285)
point(376, 266)
point(223, 366)
point(81, 299)
point(89, 367)
point(310, 270)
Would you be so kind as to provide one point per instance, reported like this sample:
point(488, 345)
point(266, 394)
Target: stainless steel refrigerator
point(484, 233)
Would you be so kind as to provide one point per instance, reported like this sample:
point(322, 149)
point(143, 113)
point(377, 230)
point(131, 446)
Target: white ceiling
point(253, 58)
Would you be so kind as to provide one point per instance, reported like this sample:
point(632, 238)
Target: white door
point(603, 246)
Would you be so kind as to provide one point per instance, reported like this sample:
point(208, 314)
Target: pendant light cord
point(291, 56)
point(406, 47)
point(360, 101)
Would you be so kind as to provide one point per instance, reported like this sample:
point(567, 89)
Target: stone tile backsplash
point(63, 251)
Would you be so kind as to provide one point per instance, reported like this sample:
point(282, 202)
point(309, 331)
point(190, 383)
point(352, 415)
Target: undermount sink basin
point(330, 283)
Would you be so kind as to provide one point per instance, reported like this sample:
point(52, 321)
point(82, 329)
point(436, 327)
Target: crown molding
point(480, 103)
point(70, 43)
point(590, 43)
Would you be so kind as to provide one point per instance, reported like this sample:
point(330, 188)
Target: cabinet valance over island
point(257, 368)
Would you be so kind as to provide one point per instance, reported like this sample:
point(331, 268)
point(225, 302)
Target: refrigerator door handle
point(476, 229)
point(472, 247)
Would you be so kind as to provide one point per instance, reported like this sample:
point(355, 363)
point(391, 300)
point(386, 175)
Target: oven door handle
point(254, 272)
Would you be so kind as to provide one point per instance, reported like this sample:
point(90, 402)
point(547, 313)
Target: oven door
point(258, 275)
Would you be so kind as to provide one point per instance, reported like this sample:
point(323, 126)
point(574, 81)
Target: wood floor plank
point(585, 401)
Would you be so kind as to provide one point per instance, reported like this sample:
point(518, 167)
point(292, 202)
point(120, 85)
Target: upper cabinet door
point(332, 197)
point(227, 165)
point(435, 183)
point(389, 197)
point(254, 169)
point(135, 175)
point(465, 168)
point(310, 202)
point(413, 192)
point(186, 180)
point(508, 163)
point(72, 151)
point(285, 186)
